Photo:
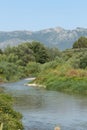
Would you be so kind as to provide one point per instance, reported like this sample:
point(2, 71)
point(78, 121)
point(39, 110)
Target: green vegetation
point(11, 119)
point(67, 73)
point(16, 63)
point(62, 79)
point(80, 43)
point(61, 71)
point(24, 60)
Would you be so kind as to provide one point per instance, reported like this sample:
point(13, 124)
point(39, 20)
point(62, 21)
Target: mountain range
point(51, 37)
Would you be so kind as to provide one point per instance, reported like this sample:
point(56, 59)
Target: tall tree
point(40, 52)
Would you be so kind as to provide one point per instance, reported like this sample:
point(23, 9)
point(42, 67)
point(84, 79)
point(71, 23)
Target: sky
point(37, 15)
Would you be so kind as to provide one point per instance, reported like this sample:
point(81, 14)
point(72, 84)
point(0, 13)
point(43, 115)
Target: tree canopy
point(80, 43)
point(20, 61)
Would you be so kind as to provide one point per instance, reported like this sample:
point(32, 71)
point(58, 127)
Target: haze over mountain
point(51, 37)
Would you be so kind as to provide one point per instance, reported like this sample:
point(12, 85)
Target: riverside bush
point(11, 119)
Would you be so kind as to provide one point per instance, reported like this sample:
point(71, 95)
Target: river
point(43, 110)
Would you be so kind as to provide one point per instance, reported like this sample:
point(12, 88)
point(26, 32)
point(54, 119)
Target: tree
point(40, 52)
point(33, 68)
point(25, 53)
point(1, 52)
point(80, 43)
point(21, 53)
point(53, 53)
point(9, 70)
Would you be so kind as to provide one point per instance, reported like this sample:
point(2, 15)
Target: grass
point(64, 78)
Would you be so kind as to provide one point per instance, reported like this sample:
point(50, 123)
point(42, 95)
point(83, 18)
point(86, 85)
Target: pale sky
point(41, 14)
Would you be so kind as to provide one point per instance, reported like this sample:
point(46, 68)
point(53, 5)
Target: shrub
point(10, 118)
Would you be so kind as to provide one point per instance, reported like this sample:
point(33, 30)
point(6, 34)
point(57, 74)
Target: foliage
point(65, 74)
point(1, 52)
point(83, 62)
point(11, 119)
point(20, 53)
point(32, 69)
point(61, 71)
point(24, 60)
point(49, 64)
point(53, 53)
point(71, 81)
point(80, 43)
point(40, 52)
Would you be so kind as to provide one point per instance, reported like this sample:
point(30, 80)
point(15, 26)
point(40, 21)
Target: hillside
point(52, 37)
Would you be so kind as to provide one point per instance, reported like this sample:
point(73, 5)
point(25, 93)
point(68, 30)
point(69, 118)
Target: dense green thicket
point(80, 43)
point(11, 119)
point(34, 59)
point(83, 62)
point(40, 52)
point(24, 60)
point(67, 72)
point(64, 80)
point(63, 77)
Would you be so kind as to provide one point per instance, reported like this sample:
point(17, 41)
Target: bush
point(83, 62)
point(80, 43)
point(32, 68)
point(11, 119)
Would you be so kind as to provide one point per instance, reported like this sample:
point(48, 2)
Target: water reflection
point(29, 101)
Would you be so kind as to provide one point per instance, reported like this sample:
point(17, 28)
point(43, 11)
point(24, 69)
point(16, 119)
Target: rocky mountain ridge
point(51, 37)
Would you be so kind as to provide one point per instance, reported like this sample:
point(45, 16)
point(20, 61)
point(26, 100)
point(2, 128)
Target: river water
point(43, 110)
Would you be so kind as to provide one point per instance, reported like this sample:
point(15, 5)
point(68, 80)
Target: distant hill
point(52, 37)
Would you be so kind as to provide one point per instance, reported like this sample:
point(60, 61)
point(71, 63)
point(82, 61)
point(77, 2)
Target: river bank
point(68, 84)
point(9, 118)
point(42, 109)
